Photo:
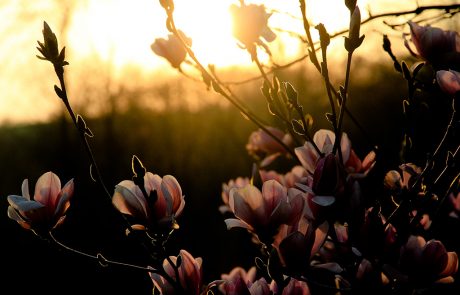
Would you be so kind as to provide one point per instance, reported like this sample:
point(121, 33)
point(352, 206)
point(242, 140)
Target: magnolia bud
point(449, 81)
point(392, 180)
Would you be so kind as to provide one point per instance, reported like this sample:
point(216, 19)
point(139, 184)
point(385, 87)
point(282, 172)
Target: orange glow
point(120, 32)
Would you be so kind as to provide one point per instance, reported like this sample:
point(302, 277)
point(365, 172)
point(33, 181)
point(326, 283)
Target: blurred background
point(136, 104)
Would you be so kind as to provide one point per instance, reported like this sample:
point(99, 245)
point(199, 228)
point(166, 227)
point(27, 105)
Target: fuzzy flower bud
point(449, 81)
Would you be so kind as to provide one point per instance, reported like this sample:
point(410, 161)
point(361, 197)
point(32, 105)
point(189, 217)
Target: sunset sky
point(119, 33)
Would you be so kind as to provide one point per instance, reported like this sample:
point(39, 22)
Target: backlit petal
point(47, 190)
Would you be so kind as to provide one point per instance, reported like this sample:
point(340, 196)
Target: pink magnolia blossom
point(237, 286)
point(429, 261)
point(248, 276)
point(190, 275)
point(171, 49)
point(434, 44)
point(297, 243)
point(295, 287)
point(449, 81)
point(129, 199)
point(48, 207)
point(263, 146)
point(324, 140)
point(250, 24)
point(266, 210)
point(238, 281)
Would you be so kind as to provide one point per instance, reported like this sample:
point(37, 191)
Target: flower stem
point(219, 89)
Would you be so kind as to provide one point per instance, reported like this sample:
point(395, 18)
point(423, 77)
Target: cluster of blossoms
point(314, 223)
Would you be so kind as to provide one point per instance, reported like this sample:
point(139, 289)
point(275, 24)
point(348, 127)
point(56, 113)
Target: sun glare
point(121, 32)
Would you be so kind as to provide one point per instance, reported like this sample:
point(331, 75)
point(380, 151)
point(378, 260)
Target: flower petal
point(47, 190)
point(64, 198)
point(128, 199)
point(273, 192)
point(233, 222)
point(451, 265)
point(25, 189)
point(248, 204)
point(307, 156)
point(172, 191)
point(22, 204)
point(13, 214)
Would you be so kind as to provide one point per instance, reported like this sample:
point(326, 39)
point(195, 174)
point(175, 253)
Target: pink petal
point(152, 182)
point(297, 204)
point(369, 161)
point(248, 204)
point(296, 287)
point(273, 192)
point(171, 187)
point(162, 207)
point(47, 190)
point(190, 273)
point(181, 207)
point(307, 156)
point(260, 287)
point(64, 198)
point(13, 214)
point(449, 81)
point(129, 199)
point(345, 147)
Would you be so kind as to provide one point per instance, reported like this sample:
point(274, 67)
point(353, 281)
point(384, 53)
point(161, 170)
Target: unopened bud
point(393, 180)
point(449, 81)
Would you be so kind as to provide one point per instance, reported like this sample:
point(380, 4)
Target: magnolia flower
point(295, 287)
point(164, 203)
point(239, 287)
point(298, 243)
point(247, 276)
point(250, 24)
point(264, 211)
point(48, 207)
point(324, 140)
point(190, 275)
point(448, 81)
point(172, 48)
point(262, 145)
point(429, 261)
point(434, 44)
point(238, 281)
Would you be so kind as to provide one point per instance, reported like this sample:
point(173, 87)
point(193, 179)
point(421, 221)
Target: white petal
point(13, 214)
point(25, 189)
point(233, 222)
point(22, 204)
